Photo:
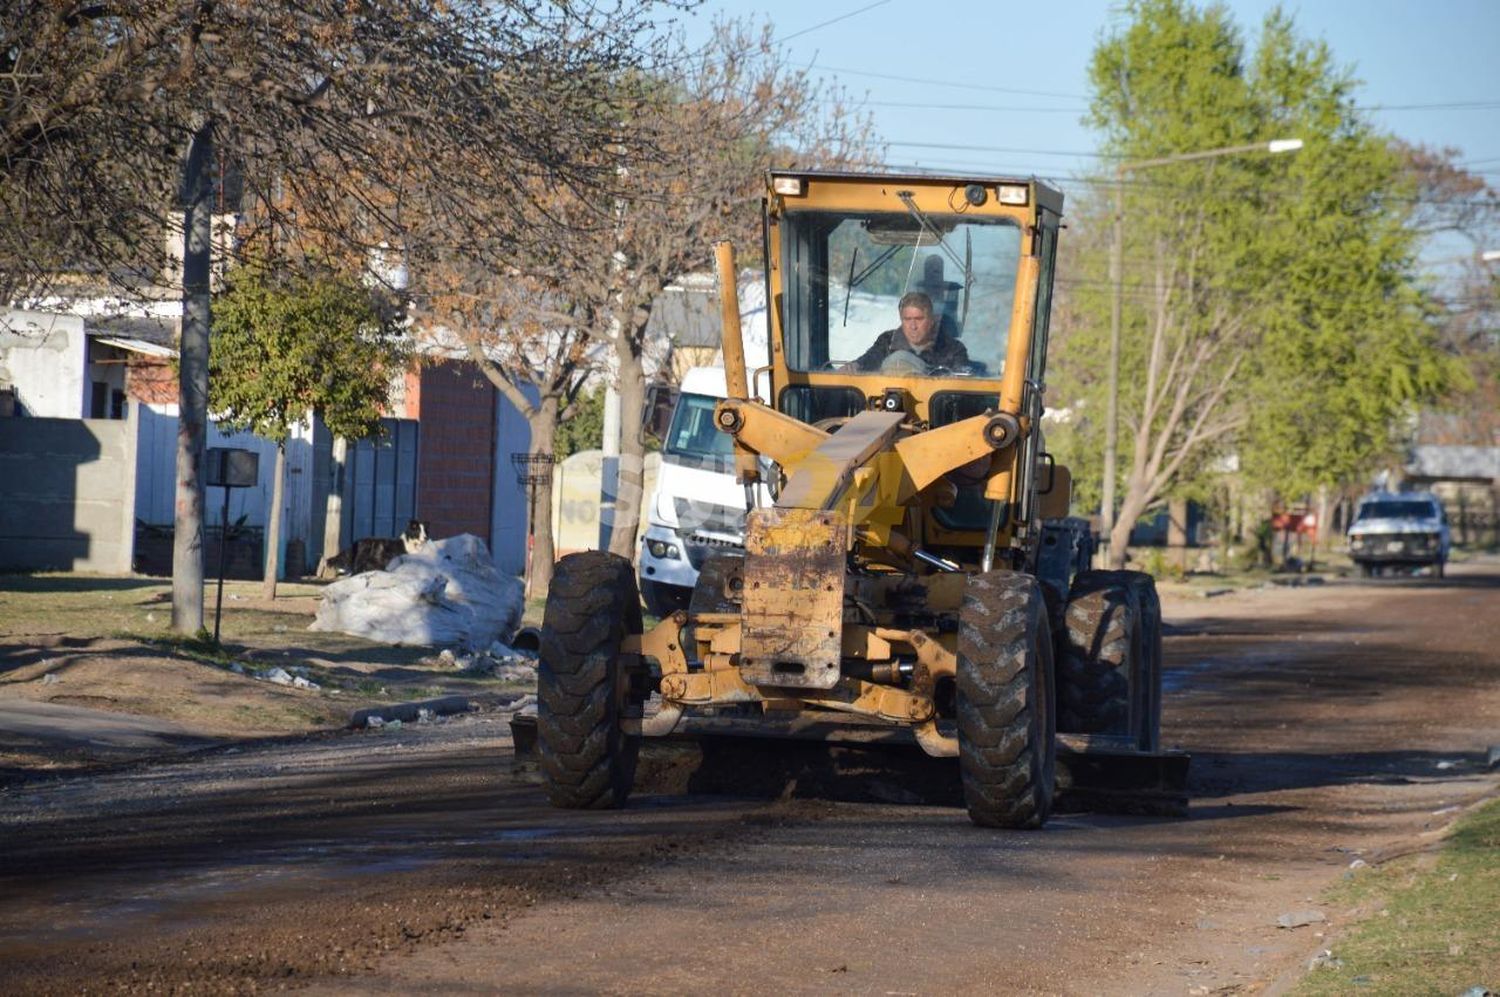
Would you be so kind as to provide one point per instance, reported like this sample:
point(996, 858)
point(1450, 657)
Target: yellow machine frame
point(866, 489)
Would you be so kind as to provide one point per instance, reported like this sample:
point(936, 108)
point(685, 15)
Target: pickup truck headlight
point(662, 549)
point(1356, 543)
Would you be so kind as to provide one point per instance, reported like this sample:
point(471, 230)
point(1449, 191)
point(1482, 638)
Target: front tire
point(1006, 713)
point(583, 688)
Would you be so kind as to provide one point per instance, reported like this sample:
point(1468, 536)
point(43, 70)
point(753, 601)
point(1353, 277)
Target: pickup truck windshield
point(849, 273)
point(1396, 510)
point(692, 437)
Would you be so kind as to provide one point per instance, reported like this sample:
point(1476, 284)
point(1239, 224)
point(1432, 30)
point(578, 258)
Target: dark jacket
point(945, 351)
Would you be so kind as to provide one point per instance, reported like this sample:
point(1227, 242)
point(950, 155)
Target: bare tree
point(1464, 209)
point(538, 361)
point(346, 113)
point(408, 122)
point(694, 153)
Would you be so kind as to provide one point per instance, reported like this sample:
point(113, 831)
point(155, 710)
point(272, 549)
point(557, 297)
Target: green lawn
point(1429, 925)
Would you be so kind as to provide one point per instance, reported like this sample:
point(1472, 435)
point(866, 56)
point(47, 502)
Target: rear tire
point(1146, 723)
point(1109, 671)
point(583, 688)
point(1006, 712)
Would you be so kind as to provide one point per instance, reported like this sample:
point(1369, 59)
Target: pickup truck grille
point(1394, 543)
point(700, 548)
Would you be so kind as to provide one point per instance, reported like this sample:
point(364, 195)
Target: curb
point(408, 712)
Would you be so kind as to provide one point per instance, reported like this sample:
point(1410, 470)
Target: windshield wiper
point(927, 226)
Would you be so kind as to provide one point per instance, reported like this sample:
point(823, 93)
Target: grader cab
point(916, 570)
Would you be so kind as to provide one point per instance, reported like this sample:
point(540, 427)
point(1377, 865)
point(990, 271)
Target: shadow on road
point(1220, 774)
point(74, 584)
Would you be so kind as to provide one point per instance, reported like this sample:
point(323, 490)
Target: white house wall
point(44, 357)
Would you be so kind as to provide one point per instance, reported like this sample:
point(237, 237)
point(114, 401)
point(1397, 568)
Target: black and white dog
point(374, 553)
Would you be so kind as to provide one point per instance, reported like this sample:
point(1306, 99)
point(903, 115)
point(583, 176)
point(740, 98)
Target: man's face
point(917, 325)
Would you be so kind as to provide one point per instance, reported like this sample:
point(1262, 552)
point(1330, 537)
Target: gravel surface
point(1327, 724)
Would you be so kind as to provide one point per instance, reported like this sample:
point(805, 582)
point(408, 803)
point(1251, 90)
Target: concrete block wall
point(67, 494)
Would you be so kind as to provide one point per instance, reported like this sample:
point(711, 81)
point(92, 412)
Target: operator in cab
point(918, 346)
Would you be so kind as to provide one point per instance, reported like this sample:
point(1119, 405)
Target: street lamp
point(1116, 276)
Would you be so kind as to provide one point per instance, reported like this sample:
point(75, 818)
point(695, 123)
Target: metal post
point(1112, 412)
point(223, 554)
point(530, 532)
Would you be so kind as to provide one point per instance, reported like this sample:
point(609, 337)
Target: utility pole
point(192, 387)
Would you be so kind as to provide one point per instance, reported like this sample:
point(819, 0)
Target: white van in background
point(1399, 531)
point(698, 508)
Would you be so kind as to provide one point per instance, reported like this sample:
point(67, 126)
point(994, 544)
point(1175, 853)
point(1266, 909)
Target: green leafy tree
point(1270, 308)
point(582, 425)
point(285, 345)
point(1350, 348)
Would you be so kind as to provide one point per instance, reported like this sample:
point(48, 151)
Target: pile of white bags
point(448, 594)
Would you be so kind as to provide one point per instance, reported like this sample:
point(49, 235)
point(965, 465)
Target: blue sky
point(1406, 52)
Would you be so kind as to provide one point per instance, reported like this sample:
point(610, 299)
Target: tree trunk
point(192, 389)
point(628, 491)
point(1177, 532)
point(1131, 509)
point(333, 516)
point(542, 421)
point(273, 527)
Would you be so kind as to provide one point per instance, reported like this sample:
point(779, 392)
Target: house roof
point(686, 314)
point(1454, 462)
point(137, 346)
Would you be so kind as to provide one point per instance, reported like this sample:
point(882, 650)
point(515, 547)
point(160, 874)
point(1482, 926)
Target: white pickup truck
point(698, 508)
point(1399, 531)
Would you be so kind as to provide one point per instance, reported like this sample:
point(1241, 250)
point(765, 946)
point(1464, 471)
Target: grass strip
point(1429, 924)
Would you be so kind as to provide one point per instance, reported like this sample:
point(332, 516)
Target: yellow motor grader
point(915, 569)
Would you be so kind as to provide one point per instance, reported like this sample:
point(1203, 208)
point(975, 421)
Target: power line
point(832, 20)
point(920, 105)
point(1452, 105)
point(703, 49)
point(1456, 105)
point(993, 108)
point(1136, 183)
point(951, 83)
point(959, 147)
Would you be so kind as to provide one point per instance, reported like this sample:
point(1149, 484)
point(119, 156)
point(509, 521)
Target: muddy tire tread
point(1004, 714)
point(586, 761)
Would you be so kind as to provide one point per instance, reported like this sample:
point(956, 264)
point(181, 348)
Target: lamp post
point(1117, 280)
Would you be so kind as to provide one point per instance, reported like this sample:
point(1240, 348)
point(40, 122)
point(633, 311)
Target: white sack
point(446, 594)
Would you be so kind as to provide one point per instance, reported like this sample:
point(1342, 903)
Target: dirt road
point(1326, 723)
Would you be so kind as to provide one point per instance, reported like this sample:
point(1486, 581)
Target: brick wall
point(151, 381)
point(455, 470)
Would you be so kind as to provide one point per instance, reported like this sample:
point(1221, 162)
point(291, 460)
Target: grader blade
point(875, 763)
